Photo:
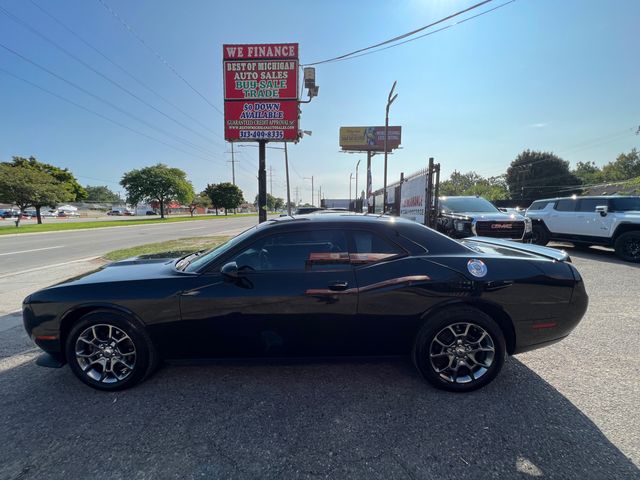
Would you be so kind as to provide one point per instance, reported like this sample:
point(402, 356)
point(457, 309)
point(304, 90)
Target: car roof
point(578, 197)
point(339, 217)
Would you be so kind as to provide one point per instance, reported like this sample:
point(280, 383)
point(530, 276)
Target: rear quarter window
point(566, 205)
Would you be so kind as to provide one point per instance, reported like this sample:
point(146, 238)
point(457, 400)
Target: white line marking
point(32, 250)
point(47, 266)
point(197, 228)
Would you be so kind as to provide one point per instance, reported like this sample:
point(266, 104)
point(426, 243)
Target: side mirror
point(602, 210)
point(230, 270)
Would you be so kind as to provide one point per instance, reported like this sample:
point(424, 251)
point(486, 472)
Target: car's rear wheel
point(628, 247)
point(460, 350)
point(540, 235)
point(107, 351)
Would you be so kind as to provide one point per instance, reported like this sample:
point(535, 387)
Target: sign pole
point(286, 167)
point(428, 193)
point(369, 181)
point(386, 137)
point(262, 181)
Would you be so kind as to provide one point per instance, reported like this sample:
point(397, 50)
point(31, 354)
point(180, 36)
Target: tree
point(25, 186)
point(626, 166)
point(273, 203)
point(470, 183)
point(224, 195)
point(200, 200)
point(540, 174)
point(101, 194)
point(157, 183)
point(74, 191)
point(588, 173)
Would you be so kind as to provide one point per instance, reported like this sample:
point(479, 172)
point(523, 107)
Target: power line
point(82, 107)
point(123, 69)
point(399, 37)
point(162, 60)
point(107, 102)
point(426, 34)
point(97, 72)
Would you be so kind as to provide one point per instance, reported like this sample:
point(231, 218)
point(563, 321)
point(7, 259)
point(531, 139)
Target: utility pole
point(386, 137)
point(271, 179)
point(357, 165)
point(262, 181)
point(312, 189)
point(233, 165)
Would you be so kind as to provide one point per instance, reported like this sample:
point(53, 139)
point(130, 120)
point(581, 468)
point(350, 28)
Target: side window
point(303, 250)
point(538, 205)
point(369, 247)
point(590, 204)
point(566, 205)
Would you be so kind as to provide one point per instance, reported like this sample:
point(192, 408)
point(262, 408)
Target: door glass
point(566, 205)
point(296, 251)
point(370, 247)
point(590, 204)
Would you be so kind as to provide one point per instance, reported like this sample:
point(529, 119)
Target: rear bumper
point(541, 332)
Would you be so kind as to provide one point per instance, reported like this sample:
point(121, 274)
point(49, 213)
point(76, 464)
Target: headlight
point(527, 225)
point(460, 225)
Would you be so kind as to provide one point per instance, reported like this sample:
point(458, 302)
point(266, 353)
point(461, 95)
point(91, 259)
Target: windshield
point(467, 204)
point(192, 263)
point(625, 204)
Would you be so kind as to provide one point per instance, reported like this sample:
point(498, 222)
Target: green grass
point(170, 248)
point(52, 226)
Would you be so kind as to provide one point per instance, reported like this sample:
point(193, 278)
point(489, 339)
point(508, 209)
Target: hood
point(488, 216)
point(126, 270)
point(529, 248)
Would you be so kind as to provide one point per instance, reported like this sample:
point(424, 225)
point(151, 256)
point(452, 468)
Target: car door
point(591, 223)
point(395, 289)
point(562, 218)
point(294, 292)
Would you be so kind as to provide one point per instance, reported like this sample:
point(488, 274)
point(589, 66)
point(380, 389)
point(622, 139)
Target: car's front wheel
point(460, 349)
point(628, 247)
point(108, 352)
point(540, 235)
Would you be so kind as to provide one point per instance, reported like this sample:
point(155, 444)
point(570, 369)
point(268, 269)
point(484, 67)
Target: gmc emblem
point(500, 226)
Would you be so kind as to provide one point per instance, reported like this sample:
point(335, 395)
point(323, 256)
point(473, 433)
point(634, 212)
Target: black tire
point(143, 360)
point(627, 247)
point(540, 235)
point(438, 325)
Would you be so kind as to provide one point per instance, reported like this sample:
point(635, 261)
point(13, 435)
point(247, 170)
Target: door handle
point(191, 293)
point(338, 286)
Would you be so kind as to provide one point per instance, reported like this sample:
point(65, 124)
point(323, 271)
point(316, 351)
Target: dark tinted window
point(466, 204)
point(590, 204)
point(295, 251)
point(538, 205)
point(566, 205)
point(625, 204)
point(368, 242)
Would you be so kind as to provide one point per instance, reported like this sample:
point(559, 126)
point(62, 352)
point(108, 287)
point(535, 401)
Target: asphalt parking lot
point(569, 411)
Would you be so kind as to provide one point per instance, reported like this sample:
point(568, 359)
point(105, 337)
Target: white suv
point(612, 221)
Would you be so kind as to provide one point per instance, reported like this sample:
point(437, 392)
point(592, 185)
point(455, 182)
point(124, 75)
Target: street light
point(390, 100)
point(350, 180)
point(357, 165)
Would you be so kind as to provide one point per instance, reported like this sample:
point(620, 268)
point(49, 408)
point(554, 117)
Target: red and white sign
point(261, 91)
point(261, 120)
point(270, 79)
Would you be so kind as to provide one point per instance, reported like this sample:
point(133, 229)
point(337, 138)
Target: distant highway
point(24, 252)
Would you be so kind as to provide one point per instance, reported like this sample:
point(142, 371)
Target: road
point(23, 252)
point(568, 411)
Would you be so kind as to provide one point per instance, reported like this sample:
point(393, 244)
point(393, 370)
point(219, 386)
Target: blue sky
point(539, 74)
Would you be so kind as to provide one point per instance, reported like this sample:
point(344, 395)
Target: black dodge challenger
point(315, 285)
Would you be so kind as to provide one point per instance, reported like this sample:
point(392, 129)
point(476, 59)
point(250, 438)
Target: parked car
point(584, 221)
point(462, 217)
point(9, 214)
point(67, 214)
point(314, 286)
point(150, 212)
point(115, 211)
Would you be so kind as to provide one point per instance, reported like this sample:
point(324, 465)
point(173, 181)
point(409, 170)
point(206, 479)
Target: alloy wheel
point(462, 352)
point(105, 353)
